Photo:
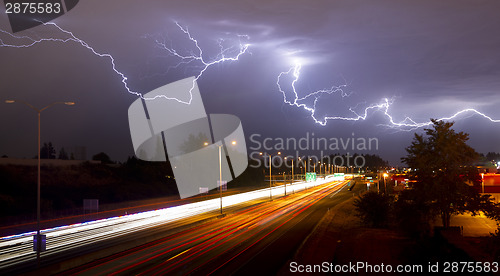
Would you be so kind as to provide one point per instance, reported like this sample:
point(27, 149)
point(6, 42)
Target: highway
point(16, 250)
point(216, 247)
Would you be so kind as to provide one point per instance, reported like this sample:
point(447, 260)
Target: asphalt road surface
point(257, 239)
point(76, 244)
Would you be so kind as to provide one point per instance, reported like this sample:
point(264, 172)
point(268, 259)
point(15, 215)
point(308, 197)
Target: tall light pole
point(284, 180)
point(220, 171)
point(220, 178)
point(385, 183)
point(38, 237)
point(292, 177)
point(298, 163)
point(270, 174)
point(291, 182)
point(482, 183)
point(305, 168)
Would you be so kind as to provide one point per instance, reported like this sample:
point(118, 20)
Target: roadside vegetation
point(63, 188)
point(446, 183)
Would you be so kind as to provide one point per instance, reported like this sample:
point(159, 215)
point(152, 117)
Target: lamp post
point(305, 167)
point(310, 160)
point(220, 171)
point(385, 183)
point(284, 180)
point(220, 178)
point(482, 183)
point(292, 177)
point(298, 163)
point(270, 175)
point(38, 111)
point(291, 182)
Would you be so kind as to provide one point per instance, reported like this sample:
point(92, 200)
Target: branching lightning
point(198, 57)
point(298, 102)
point(228, 54)
point(407, 124)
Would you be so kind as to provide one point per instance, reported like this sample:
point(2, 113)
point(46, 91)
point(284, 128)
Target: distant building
point(487, 167)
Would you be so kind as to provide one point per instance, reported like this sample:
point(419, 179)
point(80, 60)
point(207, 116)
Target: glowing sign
point(310, 176)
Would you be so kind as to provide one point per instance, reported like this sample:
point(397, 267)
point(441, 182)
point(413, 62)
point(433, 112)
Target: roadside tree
point(442, 165)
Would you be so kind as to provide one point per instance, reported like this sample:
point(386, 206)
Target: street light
point(292, 175)
point(270, 175)
point(301, 171)
point(220, 171)
point(385, 183)
point(284, 180)
point(38, 237)
point(482, 183)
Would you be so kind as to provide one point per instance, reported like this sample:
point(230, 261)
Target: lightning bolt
point(407, 124)
point(199, 56)
point(221, 57)
point(299, 102)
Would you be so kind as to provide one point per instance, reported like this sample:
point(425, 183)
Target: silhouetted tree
point(63, 154)
point(103, 157)
point(373, 208)
point(412, 215)
point(442, 165)
point(194, 142)
point(375, 161)
point(369, 160)
point(493, 156)
point(47, 151)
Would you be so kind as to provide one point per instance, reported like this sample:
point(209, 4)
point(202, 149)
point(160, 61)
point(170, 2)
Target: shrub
point(374, 209)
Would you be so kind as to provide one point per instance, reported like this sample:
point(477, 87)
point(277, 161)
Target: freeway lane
point(210, 245)
point(276, 250)
point(74, 240)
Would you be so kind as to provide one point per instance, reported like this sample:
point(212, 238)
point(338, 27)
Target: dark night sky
point(433, 58)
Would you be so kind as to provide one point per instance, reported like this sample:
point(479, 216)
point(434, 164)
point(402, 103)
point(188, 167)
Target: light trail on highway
point(17, 249)
point(190, 250)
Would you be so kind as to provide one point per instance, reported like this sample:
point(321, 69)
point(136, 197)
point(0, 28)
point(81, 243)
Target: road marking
point(178, 255)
